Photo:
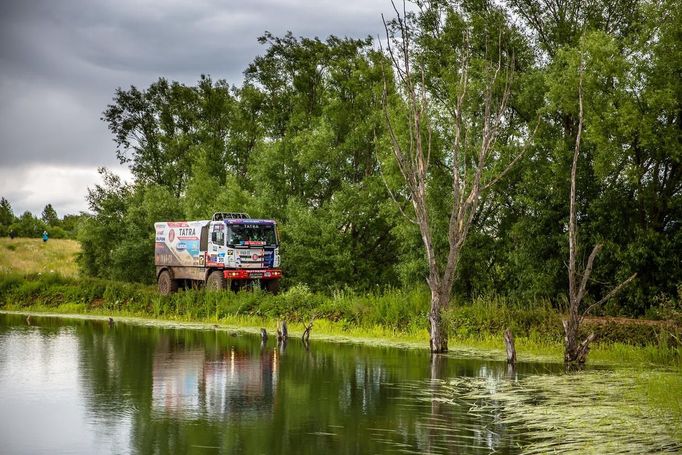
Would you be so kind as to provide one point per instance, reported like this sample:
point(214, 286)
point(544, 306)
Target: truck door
point(215, 255)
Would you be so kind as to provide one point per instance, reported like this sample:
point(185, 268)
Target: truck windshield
point(251, 234)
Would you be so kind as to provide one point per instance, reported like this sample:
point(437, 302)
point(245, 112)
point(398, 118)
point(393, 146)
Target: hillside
point(23, 255)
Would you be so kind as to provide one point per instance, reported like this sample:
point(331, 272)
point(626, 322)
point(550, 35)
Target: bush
point(491, 316)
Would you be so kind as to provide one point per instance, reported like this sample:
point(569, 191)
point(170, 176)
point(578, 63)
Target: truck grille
point(251, 259)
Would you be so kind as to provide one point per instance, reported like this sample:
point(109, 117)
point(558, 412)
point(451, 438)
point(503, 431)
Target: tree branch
point(608, 296)
point(587, 272)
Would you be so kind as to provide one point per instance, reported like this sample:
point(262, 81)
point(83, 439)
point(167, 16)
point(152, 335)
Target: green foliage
point(133, 256)
point(6, 217)
point(49, 216)
point(303, 140)
point(28, 225)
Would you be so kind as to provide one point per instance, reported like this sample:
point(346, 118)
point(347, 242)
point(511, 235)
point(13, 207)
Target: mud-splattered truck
point(229, 251)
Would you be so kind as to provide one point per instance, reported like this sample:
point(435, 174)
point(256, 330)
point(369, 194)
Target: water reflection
point(160, 390)
point(193, 383)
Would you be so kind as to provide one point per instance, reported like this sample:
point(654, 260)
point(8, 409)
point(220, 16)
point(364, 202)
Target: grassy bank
point(33, 256)
point(393, 316)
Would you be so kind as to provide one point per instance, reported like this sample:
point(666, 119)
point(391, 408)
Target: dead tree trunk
point(509, 346)
point(575, 351)
point(282, 332)
point(306, 332)
point(438, 330)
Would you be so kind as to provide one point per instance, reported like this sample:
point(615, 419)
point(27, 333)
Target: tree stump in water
point(575, 353)
point(509, 345)
point(584, 349)
point(264, 335)
point(282, 332)
point(306, 332)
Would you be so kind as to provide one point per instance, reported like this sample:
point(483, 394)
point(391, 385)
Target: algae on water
point(584, 412)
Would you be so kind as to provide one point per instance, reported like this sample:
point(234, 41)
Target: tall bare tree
point(574, 351)
point(469, 158)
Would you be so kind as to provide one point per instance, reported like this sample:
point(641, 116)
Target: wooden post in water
point(282, 332)
point(306, 336)
point(509, 345)
point(306, 332)
point(263, 339)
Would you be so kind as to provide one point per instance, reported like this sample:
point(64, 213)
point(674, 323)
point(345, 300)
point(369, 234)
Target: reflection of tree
point(115, 367)
point(237, 397)
point(437, 361)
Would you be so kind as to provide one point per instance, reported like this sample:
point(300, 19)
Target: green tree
point(101, 233)
point(321, 111)
point(468, 109)
point(49, 216)
point(6, 216)
point(28, 225)
point(133, 255)
point(71, 224)
point(151, 129)
point(627, 179)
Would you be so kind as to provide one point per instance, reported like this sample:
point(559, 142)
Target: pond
point(83, 386)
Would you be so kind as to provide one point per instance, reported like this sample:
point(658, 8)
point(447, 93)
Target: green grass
point(32, 256)
point(395, 317)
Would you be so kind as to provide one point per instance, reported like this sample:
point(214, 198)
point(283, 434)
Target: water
point(81, 386)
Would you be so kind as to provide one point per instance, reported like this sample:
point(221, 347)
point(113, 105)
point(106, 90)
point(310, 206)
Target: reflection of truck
point(229, 251)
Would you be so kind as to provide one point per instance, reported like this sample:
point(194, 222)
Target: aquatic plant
point(580, 412)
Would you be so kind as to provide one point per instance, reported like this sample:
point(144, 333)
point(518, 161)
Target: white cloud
point(65, 187)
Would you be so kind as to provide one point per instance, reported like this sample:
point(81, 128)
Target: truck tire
point(215, 281)
point(272, 286)
point(167, 285)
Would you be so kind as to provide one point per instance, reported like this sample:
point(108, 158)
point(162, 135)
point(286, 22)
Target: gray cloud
point(60, 62)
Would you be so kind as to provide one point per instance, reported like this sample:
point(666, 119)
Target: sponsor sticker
point(254, 243)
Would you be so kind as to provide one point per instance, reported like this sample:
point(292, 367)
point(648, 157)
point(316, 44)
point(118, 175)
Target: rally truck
point(229, 251)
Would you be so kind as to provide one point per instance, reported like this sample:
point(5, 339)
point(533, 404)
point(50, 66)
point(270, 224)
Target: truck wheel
point(272, 286)
point(215, 281)
point(167, 285)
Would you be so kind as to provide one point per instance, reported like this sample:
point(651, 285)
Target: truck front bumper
point(252, 274)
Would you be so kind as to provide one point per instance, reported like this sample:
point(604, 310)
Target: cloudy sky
point(61, 60)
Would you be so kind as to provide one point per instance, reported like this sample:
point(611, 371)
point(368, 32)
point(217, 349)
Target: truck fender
point(168, 269)
point(208, 272)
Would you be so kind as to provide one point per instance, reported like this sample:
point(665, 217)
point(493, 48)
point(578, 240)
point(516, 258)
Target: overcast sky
point(61, 60)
